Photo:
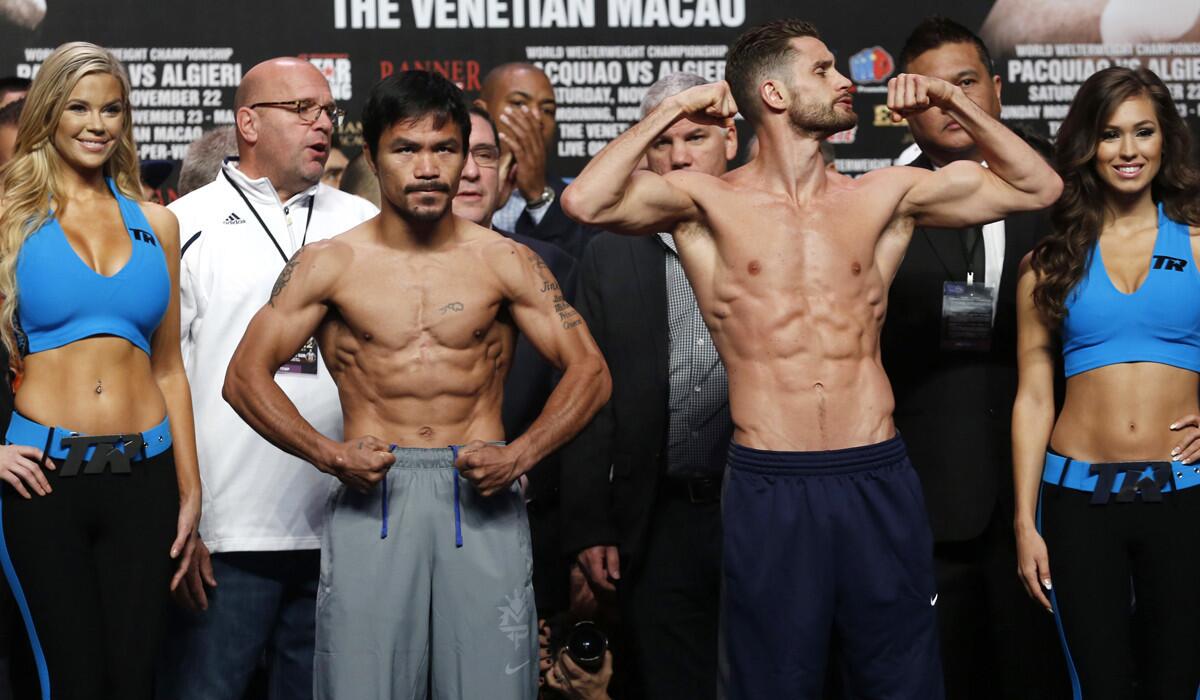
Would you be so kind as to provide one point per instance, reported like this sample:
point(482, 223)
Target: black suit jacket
point(556, 227)
point(623, 297)
point(954, 409)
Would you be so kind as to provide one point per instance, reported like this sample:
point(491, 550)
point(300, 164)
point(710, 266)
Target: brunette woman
point(1104, 499)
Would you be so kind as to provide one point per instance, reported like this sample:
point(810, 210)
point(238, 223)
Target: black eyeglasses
point(307, 110)
point(486, 155)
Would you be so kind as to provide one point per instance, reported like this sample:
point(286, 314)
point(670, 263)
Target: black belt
point(705, 489)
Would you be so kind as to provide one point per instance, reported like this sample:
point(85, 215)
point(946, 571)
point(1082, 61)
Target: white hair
point(668, 86)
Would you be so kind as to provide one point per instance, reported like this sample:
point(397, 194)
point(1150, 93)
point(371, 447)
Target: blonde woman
point(90, 310)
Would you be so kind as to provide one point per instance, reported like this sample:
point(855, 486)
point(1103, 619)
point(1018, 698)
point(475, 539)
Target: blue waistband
point(1079, 476)
point(424, 458)
point(23, 431)
point(845, 461)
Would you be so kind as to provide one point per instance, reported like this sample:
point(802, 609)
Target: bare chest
point(787, 252)
point(420, 307)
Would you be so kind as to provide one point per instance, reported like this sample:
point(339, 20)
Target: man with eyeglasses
point(263, 508)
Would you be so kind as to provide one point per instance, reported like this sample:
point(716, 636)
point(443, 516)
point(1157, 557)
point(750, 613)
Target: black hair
point(409, 96)
point(935, 32)
point(10, 114)
point(12, 83)
point(481, 112)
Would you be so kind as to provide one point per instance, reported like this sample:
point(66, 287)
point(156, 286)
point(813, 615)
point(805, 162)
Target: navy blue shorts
point(824, 543)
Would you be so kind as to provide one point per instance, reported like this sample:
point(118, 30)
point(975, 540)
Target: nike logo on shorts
point(933, 600)
point(509, 670)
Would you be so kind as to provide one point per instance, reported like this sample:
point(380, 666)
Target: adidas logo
point(234, 219)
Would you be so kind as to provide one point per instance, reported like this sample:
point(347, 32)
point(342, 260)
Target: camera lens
point(586, 644)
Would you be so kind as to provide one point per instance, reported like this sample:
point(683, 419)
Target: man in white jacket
point(262, 511)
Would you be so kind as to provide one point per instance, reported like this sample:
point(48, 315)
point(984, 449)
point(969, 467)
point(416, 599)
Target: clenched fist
point(359, 463)
point(708, 104)
point(909, 93)
point(491, 468)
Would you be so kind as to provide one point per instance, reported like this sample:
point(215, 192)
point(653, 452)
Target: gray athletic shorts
point(426, 592)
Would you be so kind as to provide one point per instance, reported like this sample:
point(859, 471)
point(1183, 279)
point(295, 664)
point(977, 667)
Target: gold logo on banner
point(883, 117)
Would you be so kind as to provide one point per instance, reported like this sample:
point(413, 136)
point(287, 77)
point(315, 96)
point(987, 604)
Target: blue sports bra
point(61, 299)
point(1160, 322)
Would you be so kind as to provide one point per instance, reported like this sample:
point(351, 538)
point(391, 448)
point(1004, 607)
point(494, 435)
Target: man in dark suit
point(641, 484)
point(520, 100)
point(954, 383)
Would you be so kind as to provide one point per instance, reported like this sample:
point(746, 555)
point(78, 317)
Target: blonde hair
point(30, 184)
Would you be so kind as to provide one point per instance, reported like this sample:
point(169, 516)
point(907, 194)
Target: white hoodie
point(256, 497)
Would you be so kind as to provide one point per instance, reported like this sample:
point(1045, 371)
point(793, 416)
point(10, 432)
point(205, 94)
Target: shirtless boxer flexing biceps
point(825, 528)
point(425, 583)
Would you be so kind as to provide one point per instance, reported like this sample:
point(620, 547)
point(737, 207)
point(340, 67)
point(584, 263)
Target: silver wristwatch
point(545, 199)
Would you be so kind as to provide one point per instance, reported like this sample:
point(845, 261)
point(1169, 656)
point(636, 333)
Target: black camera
point(583, 641)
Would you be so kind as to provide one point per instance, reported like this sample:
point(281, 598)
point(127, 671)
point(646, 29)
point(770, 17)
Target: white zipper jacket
point(256, 497)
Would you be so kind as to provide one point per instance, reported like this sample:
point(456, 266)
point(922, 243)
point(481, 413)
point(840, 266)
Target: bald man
point(520, 100)
point(263, 508)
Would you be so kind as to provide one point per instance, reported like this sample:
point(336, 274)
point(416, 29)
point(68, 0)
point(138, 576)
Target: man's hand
point(909, 93)
point(521, 134)
point(191, 595)
point(359, 463)
point(491, 468)
point(708, 104)
point(602, 566)
point(568, 678)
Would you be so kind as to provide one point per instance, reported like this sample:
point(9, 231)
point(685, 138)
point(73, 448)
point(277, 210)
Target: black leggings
point(1126, 580)
point(91, 560)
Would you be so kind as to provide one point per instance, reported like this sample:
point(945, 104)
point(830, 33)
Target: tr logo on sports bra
point(143, 236)
point(1166, 262)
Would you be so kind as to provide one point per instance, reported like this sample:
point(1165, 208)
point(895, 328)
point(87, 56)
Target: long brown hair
point(1061, 258)
point(30, 185)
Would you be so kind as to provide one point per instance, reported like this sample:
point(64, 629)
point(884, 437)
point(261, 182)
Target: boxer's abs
point(804, 373)
point(422, 394)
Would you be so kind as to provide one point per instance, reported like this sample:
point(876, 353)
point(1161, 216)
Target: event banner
point(185, 59)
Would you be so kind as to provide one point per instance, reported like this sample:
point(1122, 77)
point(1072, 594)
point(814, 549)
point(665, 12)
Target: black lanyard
point(969, 255)
point(312, 204)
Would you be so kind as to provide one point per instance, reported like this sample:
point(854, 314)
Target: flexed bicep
point(962, 194)
point(643, 204)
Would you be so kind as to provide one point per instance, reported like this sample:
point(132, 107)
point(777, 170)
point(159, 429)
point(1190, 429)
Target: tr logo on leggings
point(1149, 488)
point(106, 453)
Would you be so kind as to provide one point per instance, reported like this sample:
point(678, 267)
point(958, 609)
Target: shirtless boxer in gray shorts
point(425, 572)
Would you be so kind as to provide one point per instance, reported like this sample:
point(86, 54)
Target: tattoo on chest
point(285, 276)
point(454, 306)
